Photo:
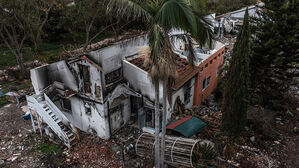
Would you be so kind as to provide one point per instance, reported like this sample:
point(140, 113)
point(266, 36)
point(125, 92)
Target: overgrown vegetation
point(52, 155)
point(236, 93)
point(274, 63)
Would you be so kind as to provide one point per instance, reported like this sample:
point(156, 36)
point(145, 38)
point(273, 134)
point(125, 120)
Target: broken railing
point(33, 104)
point(56, 110)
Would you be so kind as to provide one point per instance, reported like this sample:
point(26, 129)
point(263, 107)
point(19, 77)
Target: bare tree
point(13, 28)
point(37, 18)
point(87, 12)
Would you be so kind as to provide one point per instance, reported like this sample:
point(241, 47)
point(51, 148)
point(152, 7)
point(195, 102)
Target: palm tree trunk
point(157, 126)
point(163, 123)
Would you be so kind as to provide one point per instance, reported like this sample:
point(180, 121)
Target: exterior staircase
point(49, 114)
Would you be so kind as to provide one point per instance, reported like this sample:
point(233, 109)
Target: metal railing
point(34, 104)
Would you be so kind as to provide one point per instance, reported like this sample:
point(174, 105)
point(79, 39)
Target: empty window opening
point(98, 91)
point(113, 76)
point(206, 82)
point(149, 117)
point(218, 70)
point(116, 109)
point(66, 105)
point(206, 65)
point(211, 61)
point(85, 75)
point(187, 94)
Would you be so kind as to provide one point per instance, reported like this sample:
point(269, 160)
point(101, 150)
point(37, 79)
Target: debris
point(289, 113)
point(296, 129)
point(252, 139)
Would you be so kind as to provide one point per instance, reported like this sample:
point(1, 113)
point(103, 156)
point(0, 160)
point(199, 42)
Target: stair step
point(72, 138)
point(70, 135)
point(59, 122)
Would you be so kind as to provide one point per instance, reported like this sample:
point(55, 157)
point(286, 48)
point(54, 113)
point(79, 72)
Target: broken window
point(206, 82)
point(87, 109)
point(113, 76)
point(149, 117)
point(218, 70)
point(97, 91)
point(187, 94)
point(116, 109)
point(66, 105)
point(85, 75)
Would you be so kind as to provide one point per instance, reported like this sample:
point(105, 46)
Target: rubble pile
point(18, 144)
point(93, 151)
point(103, 43)
point(11, 73)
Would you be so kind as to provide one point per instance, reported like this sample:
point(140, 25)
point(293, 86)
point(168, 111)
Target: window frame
point(63, 105)
point(115, 79)
point(206, 82)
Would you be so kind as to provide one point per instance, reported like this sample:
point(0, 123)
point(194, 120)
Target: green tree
point(13, 28)
point(23, 20)
point(160, 17)
point(236, 93)
point(36, 18)
point(87, 13)
point(275, 51)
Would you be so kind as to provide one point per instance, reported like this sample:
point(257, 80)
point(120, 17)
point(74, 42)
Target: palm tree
point(160, 18)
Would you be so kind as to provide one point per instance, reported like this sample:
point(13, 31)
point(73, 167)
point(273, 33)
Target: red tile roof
point(180, 63)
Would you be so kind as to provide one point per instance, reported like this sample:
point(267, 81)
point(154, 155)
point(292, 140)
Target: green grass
point(49, 148)
point(5, 87)
point(3, 101)
point(24, 85)
point(8, 59)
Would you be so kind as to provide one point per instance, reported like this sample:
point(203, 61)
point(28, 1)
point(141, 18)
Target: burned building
point(103, 90)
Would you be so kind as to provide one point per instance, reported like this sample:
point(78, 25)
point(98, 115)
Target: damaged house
point(103, 90)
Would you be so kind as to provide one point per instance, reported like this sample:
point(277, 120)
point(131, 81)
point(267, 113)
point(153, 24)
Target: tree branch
point(105, 28)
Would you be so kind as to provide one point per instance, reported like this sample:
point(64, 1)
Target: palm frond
point(161, 54)
point(130, 10)
point(156, 40)
point(205, 31)
point(176, 14)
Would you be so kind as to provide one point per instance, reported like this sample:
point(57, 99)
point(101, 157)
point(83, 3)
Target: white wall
point(96, 121)
point(110, 58)
point(45, 75)
point(181, 93)
point(95, 78)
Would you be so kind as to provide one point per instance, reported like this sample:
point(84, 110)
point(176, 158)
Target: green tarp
point(187, 126)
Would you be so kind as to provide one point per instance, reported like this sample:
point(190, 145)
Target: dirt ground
point(21, 148)
point(18, 144)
